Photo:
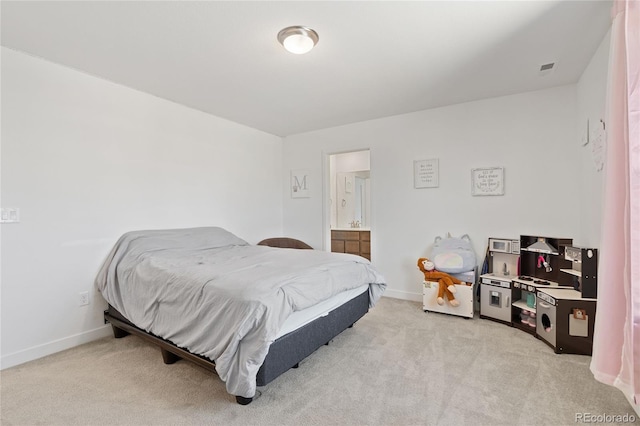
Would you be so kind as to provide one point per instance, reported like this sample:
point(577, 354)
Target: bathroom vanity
point(351, 240)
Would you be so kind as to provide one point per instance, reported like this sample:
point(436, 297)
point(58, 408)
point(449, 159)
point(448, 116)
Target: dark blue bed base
point(284, 353)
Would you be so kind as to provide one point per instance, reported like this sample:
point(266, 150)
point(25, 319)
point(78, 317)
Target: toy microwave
point(501, 245)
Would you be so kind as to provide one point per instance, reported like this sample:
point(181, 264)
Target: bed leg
point(296, 366)
point(119, 333)
point(169, 357)
point(243, 401)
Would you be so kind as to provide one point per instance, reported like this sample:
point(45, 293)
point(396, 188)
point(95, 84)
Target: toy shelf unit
point(495, 285)
point(583, 270)
point(541, 261)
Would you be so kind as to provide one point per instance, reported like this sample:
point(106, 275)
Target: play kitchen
point(543, 286)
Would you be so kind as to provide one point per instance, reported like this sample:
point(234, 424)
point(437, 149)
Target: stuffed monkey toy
point(445, 281)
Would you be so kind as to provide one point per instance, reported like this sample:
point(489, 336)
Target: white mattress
point(322, 309)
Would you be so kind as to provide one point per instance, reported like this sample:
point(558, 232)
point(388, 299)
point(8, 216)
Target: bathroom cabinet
point(351, 241)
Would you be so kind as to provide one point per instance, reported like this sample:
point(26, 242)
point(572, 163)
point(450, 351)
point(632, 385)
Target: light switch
point(10, 215)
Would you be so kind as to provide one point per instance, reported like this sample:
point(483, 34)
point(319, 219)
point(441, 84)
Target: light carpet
point(397, 366)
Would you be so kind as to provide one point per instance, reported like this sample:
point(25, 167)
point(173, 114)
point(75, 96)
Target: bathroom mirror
point(350, 190)
point(352, 200)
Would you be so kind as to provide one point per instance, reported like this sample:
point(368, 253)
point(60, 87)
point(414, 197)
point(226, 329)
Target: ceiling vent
point(546, 69)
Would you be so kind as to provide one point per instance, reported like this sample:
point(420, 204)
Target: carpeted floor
point(397, 366)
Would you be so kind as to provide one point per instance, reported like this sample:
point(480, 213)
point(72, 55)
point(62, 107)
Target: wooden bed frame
point(284, 353)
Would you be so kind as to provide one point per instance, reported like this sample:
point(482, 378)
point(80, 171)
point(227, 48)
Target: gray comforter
point(208, 291)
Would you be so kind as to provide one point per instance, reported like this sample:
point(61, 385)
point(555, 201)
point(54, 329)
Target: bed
point(247, 312)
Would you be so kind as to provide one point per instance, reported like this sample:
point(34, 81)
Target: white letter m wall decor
point(299, 184)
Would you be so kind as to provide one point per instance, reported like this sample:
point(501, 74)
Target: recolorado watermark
point(604, 418)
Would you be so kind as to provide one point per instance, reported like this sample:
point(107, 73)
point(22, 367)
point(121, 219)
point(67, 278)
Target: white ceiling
point(374, 58)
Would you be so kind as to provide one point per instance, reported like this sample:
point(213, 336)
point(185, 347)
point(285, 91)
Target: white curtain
point(616, 343)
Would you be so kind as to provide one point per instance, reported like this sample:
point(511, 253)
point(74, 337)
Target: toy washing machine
point(565, 320)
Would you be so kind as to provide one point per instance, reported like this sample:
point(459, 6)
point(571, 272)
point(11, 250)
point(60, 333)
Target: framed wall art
point(487, 181)
point(300, 184)
point(426, 173)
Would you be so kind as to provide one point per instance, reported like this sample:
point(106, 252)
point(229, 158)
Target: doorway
point(349, 195)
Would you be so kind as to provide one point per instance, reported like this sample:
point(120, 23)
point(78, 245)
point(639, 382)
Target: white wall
point(592, 100)
point(352, 162)
point(532, 135)
point(86, 160)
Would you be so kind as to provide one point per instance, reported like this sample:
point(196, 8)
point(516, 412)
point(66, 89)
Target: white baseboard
point(404, 295)
point(49, 348)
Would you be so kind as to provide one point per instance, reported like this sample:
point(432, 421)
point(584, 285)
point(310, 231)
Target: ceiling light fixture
point(298, 39)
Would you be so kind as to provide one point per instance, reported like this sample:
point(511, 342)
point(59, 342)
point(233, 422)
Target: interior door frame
point(326, 196)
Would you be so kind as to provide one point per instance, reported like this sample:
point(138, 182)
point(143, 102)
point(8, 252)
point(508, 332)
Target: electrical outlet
point(83, 298)
point(10, 215)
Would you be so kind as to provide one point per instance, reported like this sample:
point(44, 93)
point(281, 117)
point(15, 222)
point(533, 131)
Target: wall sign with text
point(425, 173)
point(487, 181)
